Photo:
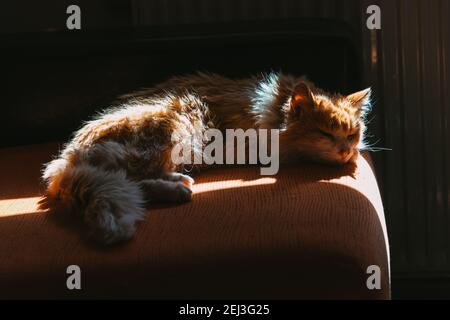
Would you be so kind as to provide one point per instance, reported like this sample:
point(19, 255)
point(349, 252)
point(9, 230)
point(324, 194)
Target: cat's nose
point(345, 154)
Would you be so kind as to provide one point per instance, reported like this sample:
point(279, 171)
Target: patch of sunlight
point(230, 184)
point(19, 206)
point(28, 205)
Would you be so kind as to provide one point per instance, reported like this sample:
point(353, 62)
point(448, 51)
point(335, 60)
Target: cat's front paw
point(182, 193)
point(179, 177)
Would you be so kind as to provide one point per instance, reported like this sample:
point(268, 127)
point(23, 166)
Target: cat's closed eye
point(352, 137)
point(327, 135)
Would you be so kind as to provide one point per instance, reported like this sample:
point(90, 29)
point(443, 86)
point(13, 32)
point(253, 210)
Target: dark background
point(68, 76)
point(53, 78)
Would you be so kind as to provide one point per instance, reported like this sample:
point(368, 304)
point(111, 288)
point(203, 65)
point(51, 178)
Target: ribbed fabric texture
point(309, 232)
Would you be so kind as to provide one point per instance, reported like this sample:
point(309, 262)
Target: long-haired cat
point(120, 160)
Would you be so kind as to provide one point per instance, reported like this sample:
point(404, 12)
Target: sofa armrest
point(309, 232)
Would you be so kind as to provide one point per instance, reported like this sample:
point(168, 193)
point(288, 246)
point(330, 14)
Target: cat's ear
point(301, 96)
point(360, 98)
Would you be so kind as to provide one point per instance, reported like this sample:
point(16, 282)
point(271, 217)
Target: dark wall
point(56, 80)
point(410, 70)
point(50, 15)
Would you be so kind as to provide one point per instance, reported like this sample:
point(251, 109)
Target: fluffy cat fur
point(121, 159)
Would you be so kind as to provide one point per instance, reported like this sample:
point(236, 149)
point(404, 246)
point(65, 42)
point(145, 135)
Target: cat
point(119, 161)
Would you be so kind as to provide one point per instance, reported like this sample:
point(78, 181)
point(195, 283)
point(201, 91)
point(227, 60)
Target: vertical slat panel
point(431, 108)
point(445, 112)
point(226, 9)
point(248, 10)
point(287, 9)
point(202, 12)
point(413, 131)
point(348, 11)
point(393, 109)
point(167, 12)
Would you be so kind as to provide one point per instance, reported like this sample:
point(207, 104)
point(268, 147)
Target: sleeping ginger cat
point(122, 159)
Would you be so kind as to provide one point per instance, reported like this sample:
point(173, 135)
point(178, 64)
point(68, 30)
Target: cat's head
point(327, 128)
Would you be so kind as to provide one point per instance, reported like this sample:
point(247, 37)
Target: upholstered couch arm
point(309, 232)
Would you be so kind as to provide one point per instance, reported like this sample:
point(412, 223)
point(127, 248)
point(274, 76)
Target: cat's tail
point(110, 203)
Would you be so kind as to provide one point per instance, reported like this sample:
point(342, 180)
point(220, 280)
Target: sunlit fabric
point(311, 231)
point(11, 207)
